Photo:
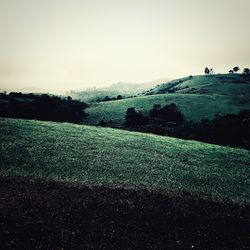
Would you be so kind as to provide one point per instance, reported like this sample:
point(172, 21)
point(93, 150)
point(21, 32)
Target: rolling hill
point(105, 156)
point(223, 84)
point(198, 97)
point(66, 186)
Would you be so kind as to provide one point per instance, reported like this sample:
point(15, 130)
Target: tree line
point(236, 69)
point(229, 129)
point(107, 98)
point(41, 107)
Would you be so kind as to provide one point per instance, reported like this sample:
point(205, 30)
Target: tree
point(103, 122)
point(236, 69)
point(246, 71)
point(168, 113)
point(155, 110)
point(230, 71)
point(134, 119)
point(107, 98)
point(207, 71)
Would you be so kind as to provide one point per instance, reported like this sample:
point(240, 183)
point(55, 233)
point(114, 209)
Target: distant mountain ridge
point(126, 86)
point(120, 88)
point(34, 90)
point(137, 87)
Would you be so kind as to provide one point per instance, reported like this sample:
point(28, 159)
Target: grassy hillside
point(198, 97)
point(194, 106)
point(224, 84)
point(105, 156)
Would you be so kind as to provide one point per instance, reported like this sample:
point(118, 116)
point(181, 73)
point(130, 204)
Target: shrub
point(168, 113)
point(134, 119)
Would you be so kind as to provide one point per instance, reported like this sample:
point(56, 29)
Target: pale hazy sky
point(67, 44)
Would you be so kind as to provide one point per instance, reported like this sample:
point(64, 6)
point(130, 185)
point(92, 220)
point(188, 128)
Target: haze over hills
point(136, 87)
point(34, 90)
point(113, 89)
point(120, 88)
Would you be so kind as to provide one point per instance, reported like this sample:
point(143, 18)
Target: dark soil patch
point(36, 214)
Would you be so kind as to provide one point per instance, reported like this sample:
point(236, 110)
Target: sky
point(72, 44)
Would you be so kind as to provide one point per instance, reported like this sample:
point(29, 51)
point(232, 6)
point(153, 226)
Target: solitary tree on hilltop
point(246, 71)
point(208, 71)
point(236, 69)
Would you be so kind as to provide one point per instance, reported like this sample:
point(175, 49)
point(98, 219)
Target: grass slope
point(105, 156)
point(198, 97)
point(225, 84)
point(194, 107)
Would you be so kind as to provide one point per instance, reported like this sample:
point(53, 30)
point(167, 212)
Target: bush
point(168, 113)
point(134, 119)
point(230, 129)
point(103, 123)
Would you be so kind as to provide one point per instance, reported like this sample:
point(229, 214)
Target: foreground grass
point(105, 156)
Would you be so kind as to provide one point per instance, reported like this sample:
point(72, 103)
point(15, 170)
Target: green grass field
point(194, 106)
point(198, 98)
point(105, 156)
point(224, 84)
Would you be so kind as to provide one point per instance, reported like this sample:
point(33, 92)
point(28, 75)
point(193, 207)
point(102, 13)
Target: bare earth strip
point(38, 214)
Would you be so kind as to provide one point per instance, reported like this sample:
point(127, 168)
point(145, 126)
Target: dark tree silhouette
point(236, 69)
point(103, 122)
point(246, 71)
point(153, 112)
point(42, 107)
point(168, 113)
point(229, 129)
point(134, 119)
point(207, 71)
point(107, 98)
